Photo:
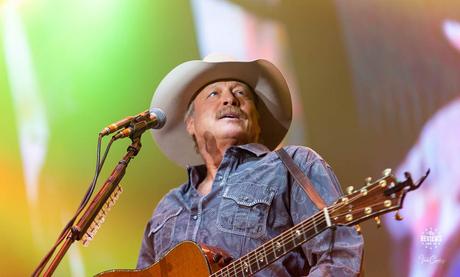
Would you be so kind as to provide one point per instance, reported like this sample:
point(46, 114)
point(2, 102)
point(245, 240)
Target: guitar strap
point(307, 186)
point(301, 178)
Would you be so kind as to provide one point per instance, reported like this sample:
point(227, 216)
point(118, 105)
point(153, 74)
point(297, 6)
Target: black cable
point(65, 232)
point(331, 244)
point(106, 152)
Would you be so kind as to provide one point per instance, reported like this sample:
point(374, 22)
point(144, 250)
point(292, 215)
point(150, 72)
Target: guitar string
point(250, 260)
point(290, 235)
point(282, 239)
point(289, 232)
point(239, 268)
point(251, 256)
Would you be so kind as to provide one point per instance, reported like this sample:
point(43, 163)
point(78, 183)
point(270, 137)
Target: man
point(224, 120)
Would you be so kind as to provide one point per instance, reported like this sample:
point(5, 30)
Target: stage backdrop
point(375, 84)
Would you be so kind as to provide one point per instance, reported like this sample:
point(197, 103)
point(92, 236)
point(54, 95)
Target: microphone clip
point(135, 129)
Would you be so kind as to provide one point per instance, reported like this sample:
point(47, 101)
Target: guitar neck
point(277, 247)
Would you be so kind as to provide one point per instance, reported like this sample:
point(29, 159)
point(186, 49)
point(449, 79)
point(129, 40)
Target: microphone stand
point(94, 215)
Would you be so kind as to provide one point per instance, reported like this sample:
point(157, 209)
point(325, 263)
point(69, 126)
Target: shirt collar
point(254, 148)
point(197, 173)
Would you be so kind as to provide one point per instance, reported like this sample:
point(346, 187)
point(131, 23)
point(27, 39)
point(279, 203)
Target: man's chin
point(237, 136)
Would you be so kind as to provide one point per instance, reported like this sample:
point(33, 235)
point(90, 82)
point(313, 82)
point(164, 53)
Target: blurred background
point(375, 84)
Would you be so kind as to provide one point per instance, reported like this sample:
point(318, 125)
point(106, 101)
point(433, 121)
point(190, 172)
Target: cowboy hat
point(177, 89)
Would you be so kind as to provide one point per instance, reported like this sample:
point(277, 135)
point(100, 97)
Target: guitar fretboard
point(274, 249)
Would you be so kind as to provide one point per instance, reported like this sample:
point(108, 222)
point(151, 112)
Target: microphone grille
point(160, 116)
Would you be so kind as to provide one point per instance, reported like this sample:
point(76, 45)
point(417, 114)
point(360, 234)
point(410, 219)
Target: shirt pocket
point(162, 230)
point(244, 209)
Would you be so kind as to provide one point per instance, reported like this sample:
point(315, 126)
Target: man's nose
point(230, 99)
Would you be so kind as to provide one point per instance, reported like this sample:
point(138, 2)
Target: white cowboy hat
point(452, 32)
point(176, 90)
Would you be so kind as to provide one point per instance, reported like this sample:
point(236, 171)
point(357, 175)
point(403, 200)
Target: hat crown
point(218, 57)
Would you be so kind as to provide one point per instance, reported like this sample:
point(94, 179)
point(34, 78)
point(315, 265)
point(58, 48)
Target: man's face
point(224, 110)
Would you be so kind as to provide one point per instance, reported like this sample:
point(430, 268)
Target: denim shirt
point(253, 199)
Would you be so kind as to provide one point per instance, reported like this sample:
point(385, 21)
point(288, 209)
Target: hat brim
point(176, 90)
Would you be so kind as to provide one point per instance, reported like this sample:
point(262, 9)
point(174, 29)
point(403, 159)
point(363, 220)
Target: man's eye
point(243, 93)
point(213, 93)
point(239, 92)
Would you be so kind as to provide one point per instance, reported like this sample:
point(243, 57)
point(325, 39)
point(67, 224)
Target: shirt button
point(195, 217)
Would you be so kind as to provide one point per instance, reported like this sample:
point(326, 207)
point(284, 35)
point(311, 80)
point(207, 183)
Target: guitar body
point(185, 259)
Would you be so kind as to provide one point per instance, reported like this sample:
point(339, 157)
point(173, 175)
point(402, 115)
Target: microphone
point(154, 118)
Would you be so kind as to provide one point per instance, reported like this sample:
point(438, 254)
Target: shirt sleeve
point(335, 252)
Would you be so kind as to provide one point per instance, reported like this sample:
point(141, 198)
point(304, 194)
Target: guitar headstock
point(373, 199)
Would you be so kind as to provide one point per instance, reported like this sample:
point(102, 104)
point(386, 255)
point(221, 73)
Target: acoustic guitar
point(370, 201)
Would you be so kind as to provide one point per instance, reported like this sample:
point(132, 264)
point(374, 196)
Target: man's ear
point(190, 126)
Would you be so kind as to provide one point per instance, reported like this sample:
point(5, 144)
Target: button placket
point(198, 218)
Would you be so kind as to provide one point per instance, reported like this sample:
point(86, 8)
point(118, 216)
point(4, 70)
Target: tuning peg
point(377, 221)
point(358, 228)
point(368, 180)
point(350, 189)
point(387, 172)
point(398, 216)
